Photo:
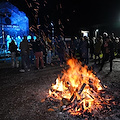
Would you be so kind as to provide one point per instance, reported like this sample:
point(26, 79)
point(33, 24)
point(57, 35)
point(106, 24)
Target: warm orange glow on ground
point(79, 87)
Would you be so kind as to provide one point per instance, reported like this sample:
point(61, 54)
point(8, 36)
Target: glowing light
point(52, 24)
point(28, 37)
point(18, 25)
point(97, 30)
point(80, 87)
point(85, 33)
point(34, 37)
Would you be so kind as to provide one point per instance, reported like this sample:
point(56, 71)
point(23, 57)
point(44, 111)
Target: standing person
point(72, 48)
point(13, 50)
point(44, 41)
point(84, 50)
point(49, 49)
point(39, 53)
point(105, 35)
point(111, 53)
point(56, 43)
point(116, 45)
point(108, 53)
point(61, 49)
point(79, 48)
point(53, 50)
point(91, 48)
point(24, 47)
point(32, 50)
point(113, 39)
point(97, 48)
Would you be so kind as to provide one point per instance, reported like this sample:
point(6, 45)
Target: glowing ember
point(79, 89)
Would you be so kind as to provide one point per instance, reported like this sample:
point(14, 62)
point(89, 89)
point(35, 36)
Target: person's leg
point(99, 59)
point(27, 61)
point(95, 58)
point(32, 57)
point(111, 63)
point(22, 63)
point(61, 60)
point(103, 62)
point(41, 59)
point(13, 59)
point(49, 56)
point(86, 61)
point(17, 62)
point(80, 55)
point(37, 59)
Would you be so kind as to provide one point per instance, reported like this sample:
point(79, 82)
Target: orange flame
point(79, 86)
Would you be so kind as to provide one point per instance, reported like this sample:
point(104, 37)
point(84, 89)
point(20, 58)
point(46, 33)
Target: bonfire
point(78, 90)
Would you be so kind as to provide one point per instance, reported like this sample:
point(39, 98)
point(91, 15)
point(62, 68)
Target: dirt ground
point(21, 93)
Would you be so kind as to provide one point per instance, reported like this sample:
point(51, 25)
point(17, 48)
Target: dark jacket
point(32, 45)
point(24, 46)
point(38, 46)
point(111, 50)
point(60, 47)
point(13, 47)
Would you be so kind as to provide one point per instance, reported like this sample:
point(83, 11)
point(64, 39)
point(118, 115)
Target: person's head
point(112, 34)
point(25, 37)
point(32, 39)
point(105, 34)
point(117, 40)
point(13, 42)
point(108, 39)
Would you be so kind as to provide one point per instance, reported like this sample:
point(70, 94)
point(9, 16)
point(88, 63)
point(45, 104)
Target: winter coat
point(97, 47)
point(38, 46)
point(13, 47)
point(24, 46)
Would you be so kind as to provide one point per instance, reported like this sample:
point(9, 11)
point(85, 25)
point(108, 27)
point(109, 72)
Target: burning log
point(93, 87)
point(79, 91)
point(82, 88)
point(72, 97)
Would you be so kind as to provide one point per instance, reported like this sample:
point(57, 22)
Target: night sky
point(73, 14)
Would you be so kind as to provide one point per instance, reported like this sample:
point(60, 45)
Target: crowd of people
point(37, 52)
point(40, 52)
